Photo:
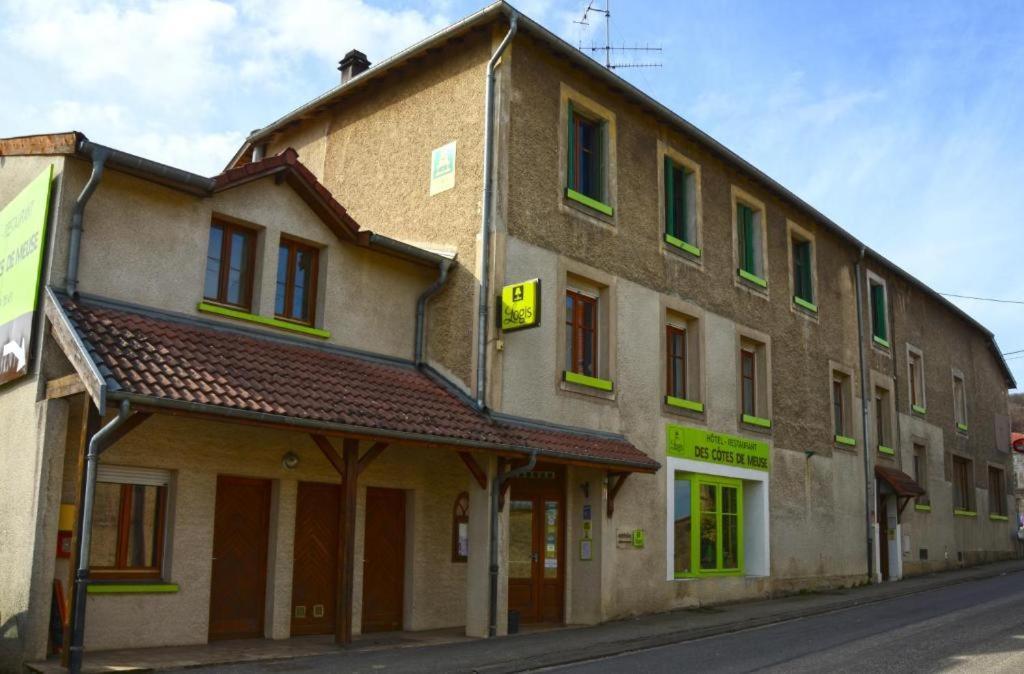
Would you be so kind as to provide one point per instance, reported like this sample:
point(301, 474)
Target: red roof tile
point(901, 483)
point(153, 355)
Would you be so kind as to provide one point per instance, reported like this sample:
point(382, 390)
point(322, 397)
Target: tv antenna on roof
point(608, 48)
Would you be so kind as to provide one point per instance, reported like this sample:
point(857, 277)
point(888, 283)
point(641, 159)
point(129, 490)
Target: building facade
point(720, 394)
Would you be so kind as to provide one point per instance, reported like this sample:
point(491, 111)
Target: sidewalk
point(525, 651)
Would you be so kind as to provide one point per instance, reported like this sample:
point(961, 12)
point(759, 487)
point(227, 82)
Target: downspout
point(496, 488)
point(485, 219)
point(96, 446)
point(421, 307)
point(99, 155)
point(864, 407)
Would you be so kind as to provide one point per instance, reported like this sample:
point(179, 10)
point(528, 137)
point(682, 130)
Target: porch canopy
point(154, 362)
point(901, 484)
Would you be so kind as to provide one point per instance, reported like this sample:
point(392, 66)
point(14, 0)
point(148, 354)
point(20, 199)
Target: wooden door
point(315, 571)
point(536, 550)
point(384, 560)
point(883, 535)
point(238, 587)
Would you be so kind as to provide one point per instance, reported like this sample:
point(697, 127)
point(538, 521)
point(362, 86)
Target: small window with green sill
point(996, 492)
point(842, 406)
point(802, 251)
point(749, 237)
point(753, 383)
point(297, 269)
point(681, 206)
point(959, 402)
point(883, 421)
point(129, 520)
point(879, 312)
point(707, 526)
point(587, 160)
point(682, 363)
point(921, 473)
point(963, 486)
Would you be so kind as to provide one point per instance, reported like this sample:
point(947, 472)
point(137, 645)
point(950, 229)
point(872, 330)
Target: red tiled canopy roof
point(901, 483)
point(186, 362)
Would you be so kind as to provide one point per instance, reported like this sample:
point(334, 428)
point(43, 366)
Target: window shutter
point(805, 271)
point(684, 209)
point(670, 220)
point(570, 149)
point(747, 215)
point(878, 293)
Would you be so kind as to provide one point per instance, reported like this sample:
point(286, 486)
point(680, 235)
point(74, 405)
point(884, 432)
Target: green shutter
point(746, 217)
point(598, 178)
point(804, 249)
point(570, 149)
point(684, 228)
point(670, 205)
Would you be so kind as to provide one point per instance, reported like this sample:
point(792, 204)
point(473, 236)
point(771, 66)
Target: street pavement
point(971, 627)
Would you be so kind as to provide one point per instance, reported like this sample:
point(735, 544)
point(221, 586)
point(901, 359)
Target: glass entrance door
point(536, 556)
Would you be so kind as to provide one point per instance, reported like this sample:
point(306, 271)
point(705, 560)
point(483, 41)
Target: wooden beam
point(68, 341)
point(61, 387)
point(330, 452)
point(347, 543)
point(371, 454)
point(474, 468)
point(613, 490)
point(129, 425)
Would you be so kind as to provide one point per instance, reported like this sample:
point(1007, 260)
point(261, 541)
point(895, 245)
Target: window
point(963, 489)
point(915, 379)
point(230, 263)
point(680, 203)
point(883, 420)
point(675, 339)
point(753, 383)
point(879, 312)
point(129, 517)
point(959, 402)
point(295, 299)
point(748, 234)
point(921, 472)
point(581, 355)
point(996, 492)
point(708, 525)
point(803, 268)
point(586, 157)
point(842, 406)
point(460, 528)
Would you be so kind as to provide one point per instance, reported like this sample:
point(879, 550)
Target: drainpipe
point(864, 407)
point(97, 444)
point(99, 156)
point(485, 220)
point(421, 307)
point(496, 486)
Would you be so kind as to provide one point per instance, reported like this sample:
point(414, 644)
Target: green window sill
point(886, 450)
point(998, 518)
point(965, 513)
point(801, 302)
point(881, 341)
point(756, 421)
point(918, 409)
point(682, 245)
point(584, 380)
point(922, 508)
point(587, 201)
point(218, 310)
point(684, 404)
point(961, 427)
point(132, 588)
point(843, 440)
point(753, 278)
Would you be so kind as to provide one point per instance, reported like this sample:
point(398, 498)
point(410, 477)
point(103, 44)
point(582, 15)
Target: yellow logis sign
point(520, 305)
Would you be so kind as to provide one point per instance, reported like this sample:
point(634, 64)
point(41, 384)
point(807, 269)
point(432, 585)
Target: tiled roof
point(901, 483)
point(186, 361)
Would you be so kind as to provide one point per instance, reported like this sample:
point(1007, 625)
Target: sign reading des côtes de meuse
point(22, 236)
point(520, 305)
point(726, 450)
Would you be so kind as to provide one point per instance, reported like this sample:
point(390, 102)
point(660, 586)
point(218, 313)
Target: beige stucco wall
point(196, 452)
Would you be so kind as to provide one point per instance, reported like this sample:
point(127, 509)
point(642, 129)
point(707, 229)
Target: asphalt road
point(970, 627)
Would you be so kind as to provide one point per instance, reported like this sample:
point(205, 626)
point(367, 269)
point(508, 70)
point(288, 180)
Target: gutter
point(99, 156)
point(858, 270)
point(496, 488)
point(97, 444)
point(421, 309)
point(485, 218)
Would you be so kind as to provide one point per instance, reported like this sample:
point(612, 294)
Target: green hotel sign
point(22, 238)
point(725, 450)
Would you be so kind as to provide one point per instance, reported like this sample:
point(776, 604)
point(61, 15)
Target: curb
point(613, 648)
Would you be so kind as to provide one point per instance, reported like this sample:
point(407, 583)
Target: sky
point(903, 121)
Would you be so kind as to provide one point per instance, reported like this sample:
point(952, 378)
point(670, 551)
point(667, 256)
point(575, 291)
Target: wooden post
point(347, 543)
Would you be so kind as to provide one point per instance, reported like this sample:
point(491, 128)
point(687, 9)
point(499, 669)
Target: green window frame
point(748, 253)
point(879, 315)
point(678, 223)
point(708, 521)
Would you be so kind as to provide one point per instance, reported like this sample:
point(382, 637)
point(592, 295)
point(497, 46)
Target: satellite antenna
point(608, 48)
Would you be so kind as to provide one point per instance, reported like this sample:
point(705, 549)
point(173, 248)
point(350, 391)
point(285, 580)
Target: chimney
point(354, 63)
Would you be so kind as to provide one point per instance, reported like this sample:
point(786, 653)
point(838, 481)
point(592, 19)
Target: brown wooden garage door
point(315, 573)
point(384, 560)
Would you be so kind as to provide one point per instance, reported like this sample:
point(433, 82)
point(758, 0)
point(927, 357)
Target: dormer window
point(295, 297)
point(230, 261)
